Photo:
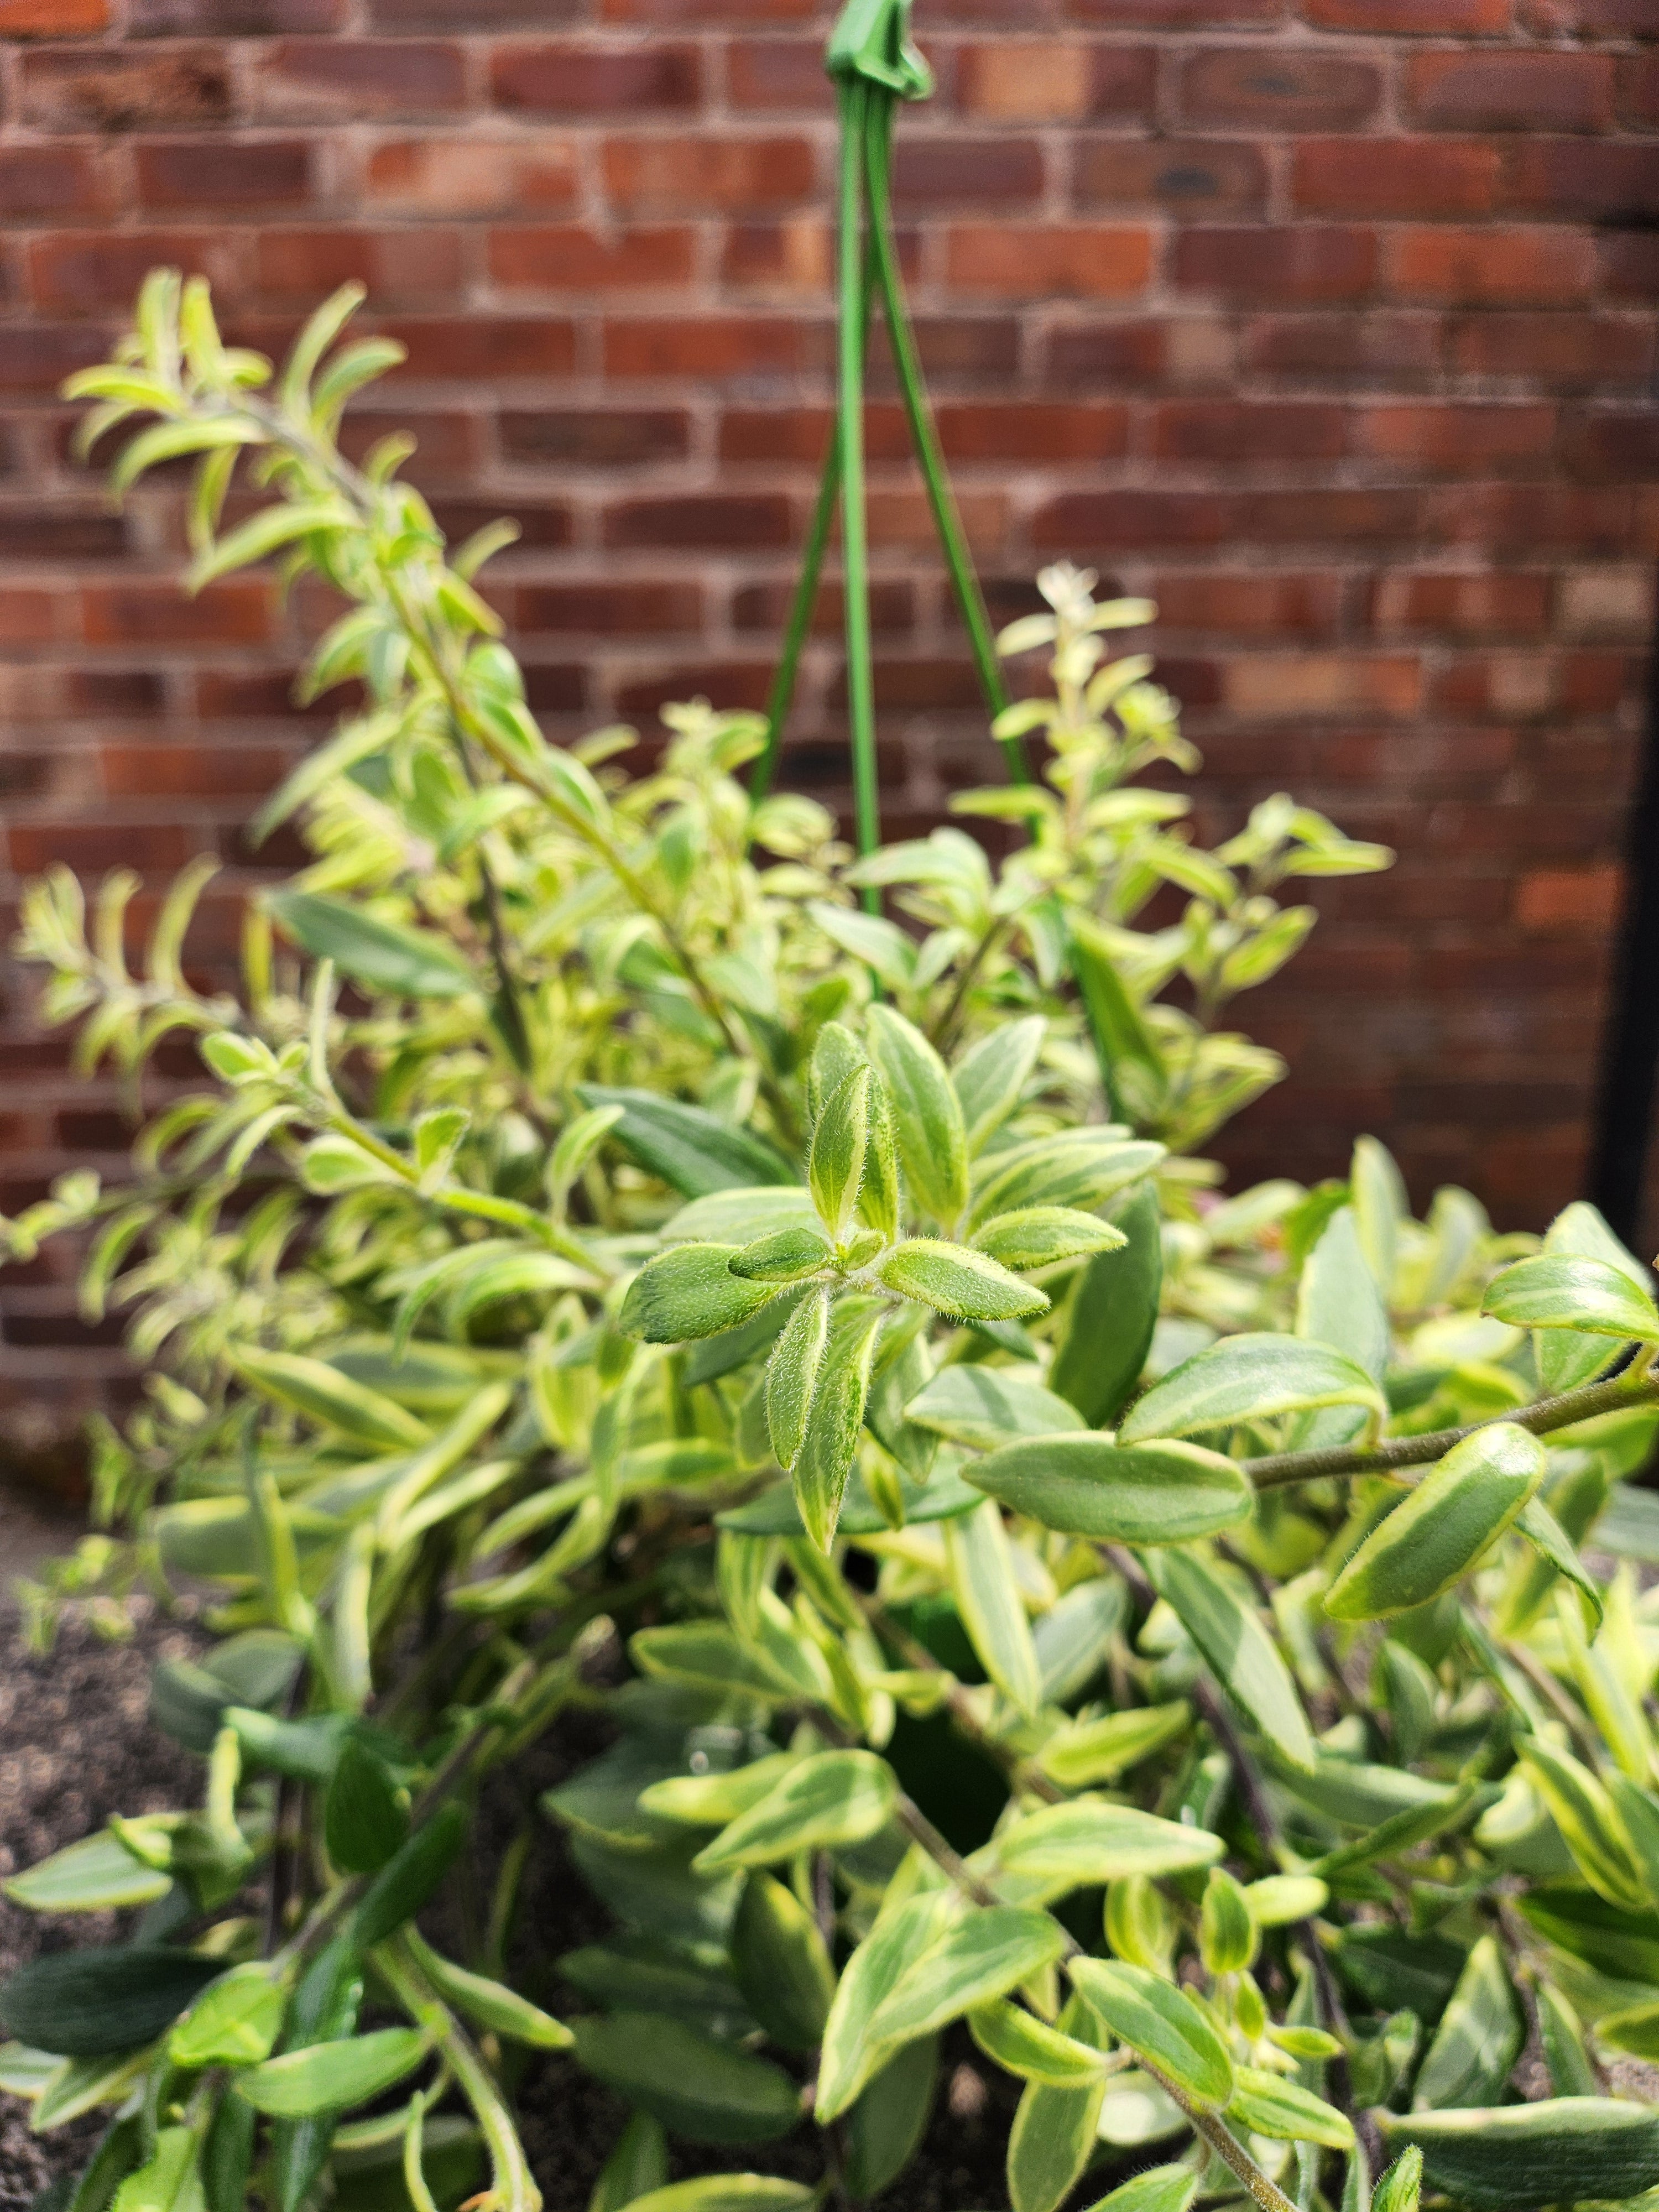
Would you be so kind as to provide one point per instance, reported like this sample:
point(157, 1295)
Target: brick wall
point(1329, 322)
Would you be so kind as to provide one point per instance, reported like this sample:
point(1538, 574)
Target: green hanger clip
point(872, 40)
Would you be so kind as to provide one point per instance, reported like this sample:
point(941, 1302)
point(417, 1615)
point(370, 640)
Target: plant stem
point(854, 97)
point(781, 697)
point(957, 1702)
point(1639, 1385)
point(515, 2190)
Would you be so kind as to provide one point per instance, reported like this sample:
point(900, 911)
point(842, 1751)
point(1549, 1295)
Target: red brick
point(595, 437)
point(80, 272)
point(941, 171)
point(352, 80)
point(1306, 261)
point(1638, 90)
point(742, 519)
point(304, 266)
point(608, 610)
point(1081, 523)
point(797, 254)
point(1126, 352)
point(682, 176)
point(1614, 446)
point(1525, 521)
point(563, 76)
point(1399, 350)
point(903, 522)
point(568, 258)
point(187, 771)
point(1282, 686)
point(1395, 176)
point(1033, 430)
point(53, 19)
point(727, 683)
point(1209, 175)
point(123, 88)
point(1600, 179)
point(1277, 88)
point(51, 180)
point(449, 440)
point(450, 175)
point(778, 77)
point(766, 607)
point(1254, 604)
point(1459, 440)
point(1310, 516)
point(197, 172)
point(1229, 431)
point(1495, 89)
point(1453, 604)
point(1587, 18)
point(483, 347)
point(1564, 348)
point(231, 19)
point(801, 434)
point(1630, 266)
point(1053, 80)
point(1436, 18)
point(1495, 267)
point(1023, 261)
point(1569, 898)
point(703, 345)
point(1174, 14)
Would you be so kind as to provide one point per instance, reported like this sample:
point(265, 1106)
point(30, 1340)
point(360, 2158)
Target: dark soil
point(77, 1745)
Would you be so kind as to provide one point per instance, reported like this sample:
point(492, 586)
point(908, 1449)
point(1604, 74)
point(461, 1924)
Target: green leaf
point(887, 2123)
point(1052, 2137)
point(234, 2023)
point(1081, 1167)
point(782, 1257)
point(334, 1400)
point(1161, 2024)
point(1038, 1235)
point(1081, 1485)
point(1565, 1358)
point(83, 2004)
point(840, 1138)
point(1059, 1848)
point(792, 1375)
point(1235, 1648)
point(727, 2192)
point(1252, 1378)
point(411, 1876)
point(1339, 1304)
point(1563, 2039)
point(167, 2181)
point(1227, 1930)
point(1400, 2189)
point(983, 1580)
point(1022, 2045)
point(489, 2004)
point(1279, 1898)
point(97, 1874)
point(637, 2166)
point(263, 534)
point(1588, 1821)
point(1160, 2189)
point(1099, 1750)
point(1479, 2039)
point(832, 1799)
point(849, 2055)
point(883, 946)
point(383, 955)
point(334, 2077)
point(692, 1151)
point(1550, 1541)
point(365, 1817)
point(1521, 2158)
point(1441, 1529)
point(961, 1282)
point(984, 1407)
point(79, 2085)
point(1111, 1315)
point(689, 1291)
point(782, 1964)
point(933, 1138)
point(1268, 2105)
point(975, 1959)
point(1137, 1081)
point(990, 1077)
point(1564, 1290)
point(830, 1440)
point(708, 1655)
point(168, 442)
point(709, 1800)
point(697, 2087)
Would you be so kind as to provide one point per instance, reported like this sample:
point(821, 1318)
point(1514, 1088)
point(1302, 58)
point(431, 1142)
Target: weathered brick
point(1305, 261)
point(1032, 430)
point(1638, 90)
point(56, 181)
point(1616, 601)
point(801, 434)
point(595, 437)
point(796, 254)
point(1504, 267)
point(341, 80)
point(481, 347)
point(946, 171)
point(195, 172)
point(1055, 81)
point(704, 346)
point(1254, 604)
point(1023, 261)
point(1613, 445)
point(1128, 352)
point(231, 19)
point(1396, 176)
point(1283, 686)
point(1207, 175)
point(1436, 18)
point(570, 257)
point(1565, 347)
point(709, 518)
point(1283, 88)
point(83, 272)
point(124, 87)
point(1603, 181)
point(1495, 89)
point(778, 77)
point(303, 265)
point(1233, 431)
point(447, 173)
point(1400, 350)
point(1453, 605)
point(558, 76)
point(1458, 440)
point(691, 176)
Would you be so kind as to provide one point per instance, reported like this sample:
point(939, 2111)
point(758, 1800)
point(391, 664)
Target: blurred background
point(1327, 323)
